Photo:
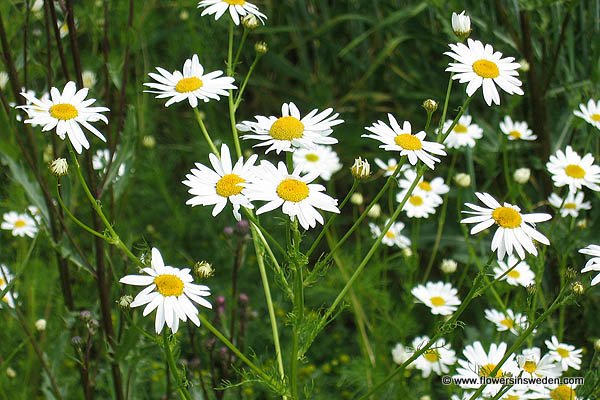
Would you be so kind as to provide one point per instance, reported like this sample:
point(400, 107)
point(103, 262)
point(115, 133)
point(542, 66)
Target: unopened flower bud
point(204, 270)
point(125, 301)
point(524, 65)
point(40, 325)
point(448, 266)
point(357, 199)
point(582, 223)
point(462, 179)
point(11, 373)
point(59, 167)
point(76, 341)
point(92, 326)
point(426, 397)
point(375, 211)
point(250, 21)
point(531, 289)
point(597, 344)
point(85, 315)
point(361, 169)
point(148, 141)
point(89, 79)
point(522, 175)
point(407, 252)
point(577, 288)
point(184, 15)
point(261, 48)
point(461, 25)
point(430, 106)
point(571, 273)
point(3, 80)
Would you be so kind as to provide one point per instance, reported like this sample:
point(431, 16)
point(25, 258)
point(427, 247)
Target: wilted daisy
point(418, 205)
point(224, 182)
point(321, 159)
point(481, 66)
point(534, 365)
point(19, 224)
point(439, 296)
point(291, 129)
point(170, 291)
point(393, 237)
point(401, 354)
point(520, 273)
point(571, 205)
point(433, 189)
point(516, 130)
point(593, 264)
point(396, 138)
point(515, 230)
point(463, 134)
point(568, 168)
point(66, 111)
point(5, 278)
point(191, 84)
point(567, 355)
point(237, 9)
point(295, 194)
point(591, 113)
point(507, 320)
point(100, 161)
point(390, 166)
point(479, 363)
point(437, 358)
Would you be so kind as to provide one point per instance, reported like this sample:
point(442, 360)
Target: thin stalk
point(230, 72)
point(212, 146)
point(298, 312)
point(240, 47)
point(445, 109)
point(242, 88)
point(183, 392)
point(74, 218)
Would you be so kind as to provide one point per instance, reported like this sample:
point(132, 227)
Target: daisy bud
point(11, 373)
point(125, 301)
point(461, 25)
point(85, 315)
point(250, 21)
point(582, 224)
point(3, 80)
point(76, 341)
point(597, 344)
point(92, 326)
point(577, 288)
point(430, 106)
point(149, 141)
point(204, 270)
point(375, 211)
point(524, 65)
point(522, 175)
point(448, 266)
point(261, 48)
point(361, 169)
point(462, 180)
point(59, 167)
point(89, 79)
point(407, 252)
point(531, 289)
point(425, 397)
point(357, 199)
point(48, 154)
point(571, 273)
point(40, 325)
point(184, 15)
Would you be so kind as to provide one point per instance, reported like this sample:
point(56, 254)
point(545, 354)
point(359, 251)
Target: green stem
point(230, 72)
point(241, 46)
point(200, 120)
point(238, 98)
point(74, 218)
point(298, 312)
point(183, 392)
point(445, 109)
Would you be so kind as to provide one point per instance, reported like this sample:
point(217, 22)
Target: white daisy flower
point(222, 183)
point(591, 113)
point(191, 84)
point(521, 274)
point(20, 224)
point(433, 189)
point(437, 358)
point(516, 130)
point(237, 9)
point(439, 296)
point(401, 354)
point(515, 230)
point(593, 264)
point(418, 205)
point(169, 291)
point(481, 66)
point(291, 130)
point(464, 133)
point(100, 161)
point(570, 169)
point(555, 391)
point(295, 194)
point(507, 321)
point(5, 278)
point(534, 365)
point(571, 205)
point(66, 111)
point(479, 363)
point(321, 159)
point(390, 166)
point(396, 138)
point(565, 354)
point(393, 237)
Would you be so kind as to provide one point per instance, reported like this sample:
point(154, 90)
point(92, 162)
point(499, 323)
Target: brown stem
point(49, 6)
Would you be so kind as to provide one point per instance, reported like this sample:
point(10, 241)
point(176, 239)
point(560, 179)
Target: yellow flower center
point(2, 282)
point(570, 206)
point(512, 397)
point(20, 223)
point(408, 141)
point(574, 171)
point(486, 69)
point(530, 366)
point(63, 111)
point(292, 190)
point(432, 356)
point(415, 200)
point(563, 392)
point(564, 353)
point(507, 217)
point(514, 274)
point(437, 301)
point(190, 84)
point(460, 128)
point(390, 235)
point(487, 369)
point(391, 168)
point(229, 185)
point(235, 2)
point(507, 322)
point(595, 117)
point(312, 157)
point(426, 186)
point(169, 285)
point(515, 134)
point(287, 128)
